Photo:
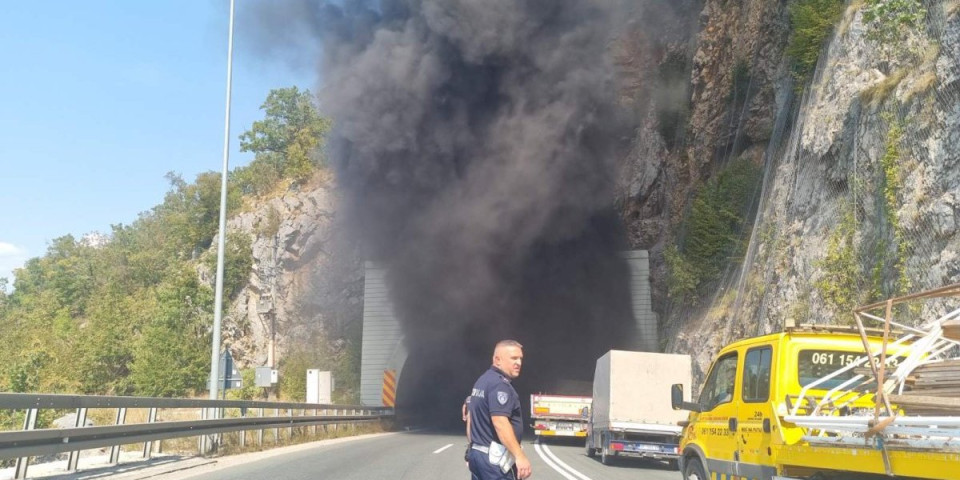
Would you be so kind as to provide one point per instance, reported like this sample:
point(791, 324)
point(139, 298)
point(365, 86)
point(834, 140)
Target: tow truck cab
point(735, 428)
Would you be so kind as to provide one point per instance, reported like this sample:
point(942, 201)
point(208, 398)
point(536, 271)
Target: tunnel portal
point(435, 370)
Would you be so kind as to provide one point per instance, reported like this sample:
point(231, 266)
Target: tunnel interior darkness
point(575, 307)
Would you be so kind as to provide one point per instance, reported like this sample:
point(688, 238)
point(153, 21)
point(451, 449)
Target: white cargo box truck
point(631, 413)
point(559, 415)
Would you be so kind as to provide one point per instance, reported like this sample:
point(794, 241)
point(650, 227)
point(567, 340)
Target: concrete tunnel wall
point(382, 346)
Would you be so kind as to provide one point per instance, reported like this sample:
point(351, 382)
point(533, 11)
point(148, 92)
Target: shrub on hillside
point(811, 22)
point(715, 228)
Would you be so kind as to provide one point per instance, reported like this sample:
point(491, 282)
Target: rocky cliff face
point(860, 201)
point(730, 57)
point(736, 68)
point(306, 281)
point(728, 83)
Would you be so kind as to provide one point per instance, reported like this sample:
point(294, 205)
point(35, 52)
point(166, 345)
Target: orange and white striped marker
point(389, 388)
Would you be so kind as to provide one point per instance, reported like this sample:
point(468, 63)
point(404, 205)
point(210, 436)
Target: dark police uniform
point(493, 395)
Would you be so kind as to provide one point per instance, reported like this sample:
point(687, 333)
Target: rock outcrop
point(860, 202)
point(307, 278)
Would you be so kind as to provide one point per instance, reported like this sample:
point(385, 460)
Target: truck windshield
point(719, 385)
point(815, 364)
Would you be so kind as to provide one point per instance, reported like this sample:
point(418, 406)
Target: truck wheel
point(693, 470)
point(590, 451)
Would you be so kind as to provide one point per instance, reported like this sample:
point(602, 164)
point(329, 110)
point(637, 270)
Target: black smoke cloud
point(476, 145)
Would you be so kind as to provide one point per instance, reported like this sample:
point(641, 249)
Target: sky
point(99, 100)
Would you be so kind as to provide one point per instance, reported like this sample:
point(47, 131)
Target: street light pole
point(218, 297)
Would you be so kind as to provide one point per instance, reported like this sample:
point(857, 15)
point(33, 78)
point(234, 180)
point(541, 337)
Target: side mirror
point(676, 396)
point(676, 399)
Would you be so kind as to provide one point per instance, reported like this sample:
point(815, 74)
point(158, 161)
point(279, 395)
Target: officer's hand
point(523, 467)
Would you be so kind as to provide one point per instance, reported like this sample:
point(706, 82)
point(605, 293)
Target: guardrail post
point(221, 413)
point(260, 432)
point(276, 431)
point(314, 426)
point(29, 423)
point(243, 433)
point(115, 450)
point(208, 443)
point(336, 426)
point(202, 441)
point(148, 445)
point(159, 448)
point(74, 459)
point(290, 416)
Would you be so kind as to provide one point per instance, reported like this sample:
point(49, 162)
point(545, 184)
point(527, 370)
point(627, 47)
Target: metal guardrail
point(217, 417)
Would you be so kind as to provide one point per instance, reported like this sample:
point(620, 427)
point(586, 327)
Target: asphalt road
point(415, 455)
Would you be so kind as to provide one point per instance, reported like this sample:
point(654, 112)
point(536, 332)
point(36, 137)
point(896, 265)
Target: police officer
point(496, 416)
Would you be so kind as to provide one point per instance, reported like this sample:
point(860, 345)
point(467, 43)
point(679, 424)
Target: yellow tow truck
point(805, 404)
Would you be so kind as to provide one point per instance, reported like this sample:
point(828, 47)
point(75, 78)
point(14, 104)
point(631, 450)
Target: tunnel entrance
point(563, 332)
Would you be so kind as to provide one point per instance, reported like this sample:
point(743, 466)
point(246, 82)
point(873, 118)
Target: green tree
point(106, 345)
point(288, 140)
point(171, 356)
point(190, 212)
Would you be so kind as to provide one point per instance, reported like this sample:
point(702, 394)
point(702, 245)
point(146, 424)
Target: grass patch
point(930, 54)
point(877, 93)
point(927, 80)
point(921, 85)
point(723, 308)
point(848, 16)
point(951, 8)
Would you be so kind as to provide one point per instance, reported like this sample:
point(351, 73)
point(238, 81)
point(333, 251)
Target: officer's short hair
point(508, 343)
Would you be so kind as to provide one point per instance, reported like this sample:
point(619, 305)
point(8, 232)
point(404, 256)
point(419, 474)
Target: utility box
point(319, 386)
point(265, 377)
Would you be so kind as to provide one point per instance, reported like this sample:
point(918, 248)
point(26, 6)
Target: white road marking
point(443, 448)
point(536, 446)
point(564, 465)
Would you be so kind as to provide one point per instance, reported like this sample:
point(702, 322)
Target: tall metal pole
point(218, 297)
